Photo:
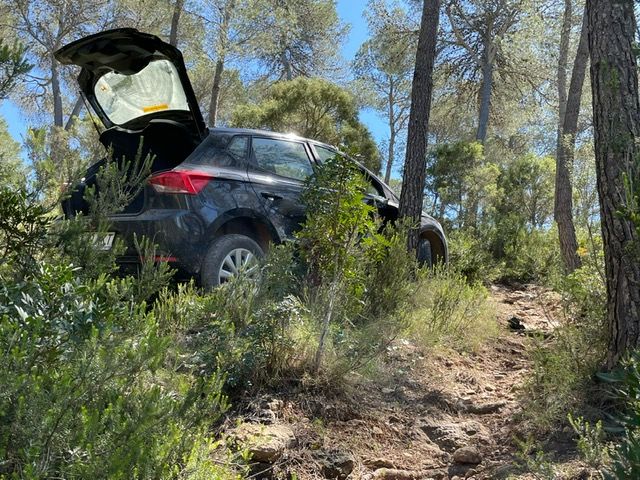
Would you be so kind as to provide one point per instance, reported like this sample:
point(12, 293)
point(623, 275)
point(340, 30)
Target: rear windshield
point(155, 88)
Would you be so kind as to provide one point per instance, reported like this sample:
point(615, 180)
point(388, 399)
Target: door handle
point(270, 196)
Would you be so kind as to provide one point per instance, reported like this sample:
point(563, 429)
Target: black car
point(216, 198)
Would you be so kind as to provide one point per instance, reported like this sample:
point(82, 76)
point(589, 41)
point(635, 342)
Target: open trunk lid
point(131, 78)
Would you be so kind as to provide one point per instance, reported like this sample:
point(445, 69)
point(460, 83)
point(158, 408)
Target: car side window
point(282, 157)
point(325, 154)
point(373, 188)
point(238, 147)
point(218, 152)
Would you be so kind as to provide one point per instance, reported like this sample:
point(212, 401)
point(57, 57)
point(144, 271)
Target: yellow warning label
point(155, 108)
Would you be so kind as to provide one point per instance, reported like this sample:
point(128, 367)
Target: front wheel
point(425, 255)
point(228, 257)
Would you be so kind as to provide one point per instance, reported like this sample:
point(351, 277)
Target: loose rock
point(266, 443)
point(515, 323)
point(336, 464)
point(467, 455)
point(376, 463)
point(394, 474)
point(485, 408)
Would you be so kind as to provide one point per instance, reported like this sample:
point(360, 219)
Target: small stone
point(515, 323)
point(266, 416)
point(467, 455)
point(377, 431)
point(266, 443)
point(275, 405)
point(395, 474)
point(336, 463)
point(376, 463)
point(485, 408)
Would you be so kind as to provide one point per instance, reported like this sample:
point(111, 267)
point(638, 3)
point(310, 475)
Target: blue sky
point(350, 12)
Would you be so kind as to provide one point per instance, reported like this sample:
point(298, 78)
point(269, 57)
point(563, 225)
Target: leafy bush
point(90, 387)
point(355, 296)
point(447, 309)
point(470, 253)
point(625, 387)
point(235, 330)
point(322, 306)
point(563, 368)
point(591, 441)
point(527, 255)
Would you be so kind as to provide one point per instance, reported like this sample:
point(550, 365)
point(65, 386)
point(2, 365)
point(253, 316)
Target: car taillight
point(180, 181)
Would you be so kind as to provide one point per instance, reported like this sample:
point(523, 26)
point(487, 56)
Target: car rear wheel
point(230, 256)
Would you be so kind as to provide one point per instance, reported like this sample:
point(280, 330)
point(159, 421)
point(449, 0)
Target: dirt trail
point(446, 415)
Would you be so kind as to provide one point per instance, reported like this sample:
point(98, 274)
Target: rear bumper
point(177, 237)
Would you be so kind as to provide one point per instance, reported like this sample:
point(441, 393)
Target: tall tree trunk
point(616, 118)
point(485, 95)
point(175, 22)
point(563, 63)
point(286, 63)
point(223, 46)
point(215, 93)
point(392, 134)
point(421, 89)
point(390, 155)
point(563, 205)
point(73, 116)
point(58, 120)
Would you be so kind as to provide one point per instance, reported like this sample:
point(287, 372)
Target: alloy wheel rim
point(238, 261)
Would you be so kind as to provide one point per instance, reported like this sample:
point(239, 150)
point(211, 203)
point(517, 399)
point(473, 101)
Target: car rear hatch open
point(138, 87)
point(130, 78)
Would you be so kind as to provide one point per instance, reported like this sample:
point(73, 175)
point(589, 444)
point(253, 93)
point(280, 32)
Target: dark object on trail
point(216, 199)
point(516, 324)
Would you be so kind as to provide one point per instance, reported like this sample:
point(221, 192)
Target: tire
point(224, 255)
point(425, 256)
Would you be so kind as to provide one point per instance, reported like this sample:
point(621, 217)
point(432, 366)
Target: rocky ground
point(441, 415)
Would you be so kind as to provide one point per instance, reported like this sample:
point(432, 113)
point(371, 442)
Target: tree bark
point(616, 117)
point(563, 205)
point(421, 89)
point(223, 45)
point(215, 93)
point(175, 22)
point(485, 94)
point(73, 116)
point(392, 134)
point(563, 63)
point(286, 64)
point(56, 93)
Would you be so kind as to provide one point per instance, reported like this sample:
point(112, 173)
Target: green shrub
point(261, 333)
point(529, 256)
point(89, 384)
point(591, 441)
point(353, 292)
point(85, 388)
point(449, 310)
point(625, 388)
point(470, 254)
point(321, 307)
point(247, 339)
point(563, 368)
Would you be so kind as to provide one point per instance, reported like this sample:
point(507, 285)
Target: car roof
point(267, 133)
